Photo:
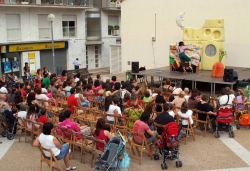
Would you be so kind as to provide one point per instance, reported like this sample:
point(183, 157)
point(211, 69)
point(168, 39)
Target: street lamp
point(51, 18)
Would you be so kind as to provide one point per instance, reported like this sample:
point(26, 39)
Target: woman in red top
point(134, 101)
point(102, 134)
point(72, 101)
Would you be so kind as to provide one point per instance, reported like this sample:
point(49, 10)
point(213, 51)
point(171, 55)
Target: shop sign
point(31, 47)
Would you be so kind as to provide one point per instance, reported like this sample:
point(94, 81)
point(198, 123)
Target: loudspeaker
point(235, 76)
point(135, 67)
point(228, 75)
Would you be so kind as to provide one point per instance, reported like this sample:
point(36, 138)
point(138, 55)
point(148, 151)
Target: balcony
point(74, 4)
point(111, 5)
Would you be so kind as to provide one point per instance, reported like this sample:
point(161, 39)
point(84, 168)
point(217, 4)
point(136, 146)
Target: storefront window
point(10, 62)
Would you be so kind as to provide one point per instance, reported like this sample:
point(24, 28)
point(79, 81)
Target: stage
point(202, 76)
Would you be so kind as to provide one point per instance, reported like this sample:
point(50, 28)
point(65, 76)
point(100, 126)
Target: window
point(112, 21)
point(13, 27)
point(43, 26)
point(87, 57)
point(96, 57)
point(210, 50)
point(69, 25)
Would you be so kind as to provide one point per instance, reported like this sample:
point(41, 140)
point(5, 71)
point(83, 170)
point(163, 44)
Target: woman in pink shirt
point(97, 86)
point(183, 57)
point(90, 93)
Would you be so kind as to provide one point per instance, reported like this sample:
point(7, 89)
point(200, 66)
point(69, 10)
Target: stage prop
point(210, 38)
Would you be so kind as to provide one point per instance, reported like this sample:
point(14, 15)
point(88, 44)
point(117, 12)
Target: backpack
point(170, 135)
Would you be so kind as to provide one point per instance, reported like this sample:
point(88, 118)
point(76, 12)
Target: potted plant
point(116, 30)
point(59, 2)
point(218, 67)
point(110, 28)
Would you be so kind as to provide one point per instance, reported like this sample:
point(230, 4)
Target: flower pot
point(115, 32)
point(218, 70)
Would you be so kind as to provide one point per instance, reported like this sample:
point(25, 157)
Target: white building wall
point(29, 28)
point(107, 39)
point(138, 18)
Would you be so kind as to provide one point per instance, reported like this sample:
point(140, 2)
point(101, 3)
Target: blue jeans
point(180, 134)
point(63, 152)
point(85, 103)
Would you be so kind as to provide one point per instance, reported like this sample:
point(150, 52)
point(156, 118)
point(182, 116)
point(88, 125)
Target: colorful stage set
point(207, 54)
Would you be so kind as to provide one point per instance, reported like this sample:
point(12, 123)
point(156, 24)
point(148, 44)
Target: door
point(92, 56)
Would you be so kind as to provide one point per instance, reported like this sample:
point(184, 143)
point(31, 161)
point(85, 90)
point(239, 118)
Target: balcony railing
point(50, 2)
point(93, 36)
point(111, 4)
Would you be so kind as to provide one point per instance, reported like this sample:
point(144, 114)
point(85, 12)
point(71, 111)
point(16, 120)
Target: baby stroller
point(169, 145)
point(9, 125)
point(223, 121)
point(112, 155)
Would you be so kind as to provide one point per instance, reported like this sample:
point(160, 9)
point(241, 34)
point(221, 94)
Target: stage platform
point(202, 76)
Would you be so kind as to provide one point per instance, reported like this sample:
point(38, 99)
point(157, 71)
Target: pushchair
point(112, 155)
point(169, 145)
point(9, 125)
point(223, 122)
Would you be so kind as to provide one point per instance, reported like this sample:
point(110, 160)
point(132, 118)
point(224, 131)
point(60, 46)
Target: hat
point(101, 92)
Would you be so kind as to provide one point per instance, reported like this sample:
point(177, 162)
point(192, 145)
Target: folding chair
point(20, 127)
point(27, 129)
point(207, 121)
point(50, 160)
point(189, 128)
point(143, 145)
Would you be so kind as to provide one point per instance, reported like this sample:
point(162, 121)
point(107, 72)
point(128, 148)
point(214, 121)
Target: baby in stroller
point(169, 145)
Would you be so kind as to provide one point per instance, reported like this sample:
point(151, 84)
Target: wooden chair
point(57, 132)
point(98, 152)
point(27, 129)
point(189, 128)
point(143, 145)
point(50, 161)
point(120, 124)
point(37, 128)
point(207, 121)
point(159, 126)
point(78, 143)
point(20, 127)
point(89, 146)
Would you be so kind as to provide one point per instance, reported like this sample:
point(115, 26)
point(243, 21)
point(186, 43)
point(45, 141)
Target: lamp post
point(51, 18)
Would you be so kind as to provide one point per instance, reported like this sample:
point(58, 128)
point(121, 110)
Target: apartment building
point(80, 30)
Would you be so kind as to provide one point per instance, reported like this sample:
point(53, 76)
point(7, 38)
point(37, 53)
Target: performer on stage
point(183, 57)
point(76, 63)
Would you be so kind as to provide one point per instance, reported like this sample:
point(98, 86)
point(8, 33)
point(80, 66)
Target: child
point(49, 93)
point(185, 113)
point(44, 88)
point(171, 112)
point(151, 127)
point(101, 99)
point(146, 97)
point(43, 119)
point(90, 93)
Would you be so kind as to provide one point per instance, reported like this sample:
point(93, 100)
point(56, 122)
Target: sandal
point(71, 168)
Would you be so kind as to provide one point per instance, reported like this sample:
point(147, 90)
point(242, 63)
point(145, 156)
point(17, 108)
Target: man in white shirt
point(124, 90)
point(3, 89)
point(76, 63)
point(224, 98)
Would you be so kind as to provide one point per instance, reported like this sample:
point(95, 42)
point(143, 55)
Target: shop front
point(38, 55)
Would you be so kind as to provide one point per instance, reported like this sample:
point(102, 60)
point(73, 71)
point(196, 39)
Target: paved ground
point(206, 153)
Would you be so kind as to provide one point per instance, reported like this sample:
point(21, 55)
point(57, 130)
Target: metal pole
point(53, 53)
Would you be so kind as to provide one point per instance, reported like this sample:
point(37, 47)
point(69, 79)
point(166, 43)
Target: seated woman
point(48, 141)
point(101, 133)
point(186, 113)
point(192, 101)
point(179, 100)
point(167, 86)
point(112, 108)
point(133, 112)
point(141, 126)
point(159, 98)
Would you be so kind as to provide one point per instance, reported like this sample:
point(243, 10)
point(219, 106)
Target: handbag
point(125, 162)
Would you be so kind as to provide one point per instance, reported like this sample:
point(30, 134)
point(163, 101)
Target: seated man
point(225, 99)
point(68, 124)
point(164, 118)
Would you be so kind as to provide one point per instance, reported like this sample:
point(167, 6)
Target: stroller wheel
point(156, 156)
point(10, 136)
point(4, 133)
point(177, 164)
point(231, 134)
point(237, 126)
point(216, 134)
point(180, 163)
point(164, 166)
